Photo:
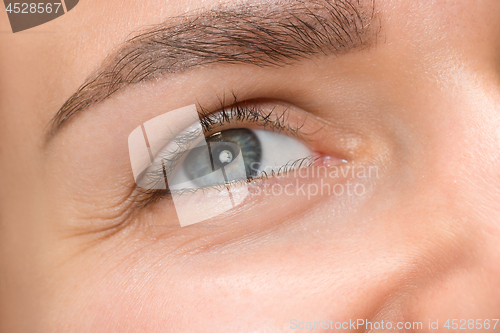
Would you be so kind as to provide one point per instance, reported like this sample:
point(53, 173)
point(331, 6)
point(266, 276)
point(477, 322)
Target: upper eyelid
point(251, 111)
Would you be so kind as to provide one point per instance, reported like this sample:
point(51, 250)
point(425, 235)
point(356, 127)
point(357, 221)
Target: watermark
point(356, 175)
point(327, 324)
point(26, 14)
point(323, 188)
point(325, 171)
point(365, 324)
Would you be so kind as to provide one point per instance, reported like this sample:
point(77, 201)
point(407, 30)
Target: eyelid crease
point(250, 113)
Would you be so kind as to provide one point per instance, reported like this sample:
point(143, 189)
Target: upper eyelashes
point(250, 113)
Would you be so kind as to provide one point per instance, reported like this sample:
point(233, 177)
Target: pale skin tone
point(422, 104)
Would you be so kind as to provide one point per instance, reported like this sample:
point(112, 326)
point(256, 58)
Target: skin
point(422, 105)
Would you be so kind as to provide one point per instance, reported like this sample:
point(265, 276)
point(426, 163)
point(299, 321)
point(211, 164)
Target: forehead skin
point(431, 251)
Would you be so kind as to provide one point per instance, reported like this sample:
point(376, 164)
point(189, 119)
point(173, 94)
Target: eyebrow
point(265, 34)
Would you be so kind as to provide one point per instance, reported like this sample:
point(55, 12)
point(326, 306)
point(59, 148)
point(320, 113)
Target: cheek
point(467, 293)
point(266, 291)
point(251, 286)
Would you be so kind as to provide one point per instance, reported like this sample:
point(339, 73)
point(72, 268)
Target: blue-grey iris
point(223, 148)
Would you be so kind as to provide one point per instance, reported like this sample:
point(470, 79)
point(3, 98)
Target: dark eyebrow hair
point(272, 34)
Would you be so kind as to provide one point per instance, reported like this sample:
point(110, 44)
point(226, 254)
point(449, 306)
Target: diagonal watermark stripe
point(27, 14)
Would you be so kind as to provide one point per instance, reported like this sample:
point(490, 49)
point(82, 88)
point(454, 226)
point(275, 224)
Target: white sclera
point(161, 133)
point(279, 151)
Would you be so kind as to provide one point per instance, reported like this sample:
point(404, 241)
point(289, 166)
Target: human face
point(410, 89)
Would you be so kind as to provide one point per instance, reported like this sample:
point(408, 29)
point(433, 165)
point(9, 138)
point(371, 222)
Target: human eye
point(205, 161)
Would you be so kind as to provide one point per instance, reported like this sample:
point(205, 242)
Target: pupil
point(249, 147)
point(225, 156)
